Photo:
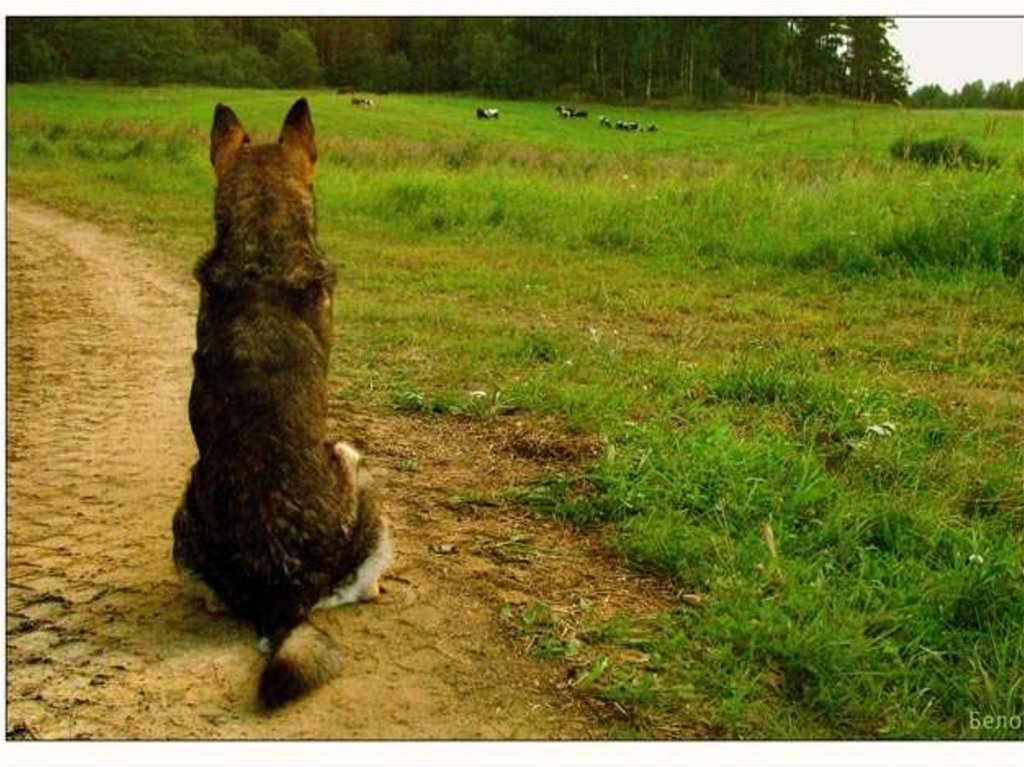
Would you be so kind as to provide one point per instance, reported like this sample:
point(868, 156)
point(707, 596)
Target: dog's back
point(267, 521)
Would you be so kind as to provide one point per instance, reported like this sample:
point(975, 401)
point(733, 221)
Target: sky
point(954, 51)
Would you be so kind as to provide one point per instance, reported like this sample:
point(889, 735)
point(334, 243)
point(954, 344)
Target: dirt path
point(101, 640)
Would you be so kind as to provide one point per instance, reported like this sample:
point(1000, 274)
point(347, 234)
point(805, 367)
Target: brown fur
point(268, 521)
point(306, 659)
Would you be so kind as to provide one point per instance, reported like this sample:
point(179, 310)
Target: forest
point(687, 60)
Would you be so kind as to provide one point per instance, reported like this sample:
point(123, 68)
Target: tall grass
point(711, 187)
point(845, 573)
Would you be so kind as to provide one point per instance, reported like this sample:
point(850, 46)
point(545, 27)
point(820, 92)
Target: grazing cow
point(569, 113)
point(486, 114)
point(362, 101)
point(604, 121)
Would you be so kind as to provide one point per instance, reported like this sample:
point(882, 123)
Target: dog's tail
point(305, 659)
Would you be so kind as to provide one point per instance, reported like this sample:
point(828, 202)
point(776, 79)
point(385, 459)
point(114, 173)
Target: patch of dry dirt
point(102, 642)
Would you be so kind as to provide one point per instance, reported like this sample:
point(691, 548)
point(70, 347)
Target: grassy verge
point(804, 358)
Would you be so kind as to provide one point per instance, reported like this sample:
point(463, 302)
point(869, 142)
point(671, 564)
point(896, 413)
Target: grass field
point(805, 361)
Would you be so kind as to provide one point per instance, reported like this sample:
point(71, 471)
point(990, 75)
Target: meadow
point(804, 360)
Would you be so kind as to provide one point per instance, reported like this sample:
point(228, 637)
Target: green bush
point(948, 151)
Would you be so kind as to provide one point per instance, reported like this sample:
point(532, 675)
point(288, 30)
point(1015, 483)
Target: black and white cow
point(569, 113)
point(486, 114)
point(362, 101)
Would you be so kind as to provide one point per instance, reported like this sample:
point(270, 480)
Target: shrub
point(949, 151)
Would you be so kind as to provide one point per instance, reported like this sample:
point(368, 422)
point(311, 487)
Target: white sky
point(954, 51)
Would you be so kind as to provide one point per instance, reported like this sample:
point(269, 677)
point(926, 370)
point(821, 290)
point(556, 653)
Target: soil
point(103, 642)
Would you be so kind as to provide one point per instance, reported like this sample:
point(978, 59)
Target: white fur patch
point(354, 589)
point(347, 453)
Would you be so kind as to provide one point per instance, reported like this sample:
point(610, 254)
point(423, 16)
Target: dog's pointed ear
point(226, 136)
point(297, 131)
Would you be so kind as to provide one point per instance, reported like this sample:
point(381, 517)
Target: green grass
point(771, 323)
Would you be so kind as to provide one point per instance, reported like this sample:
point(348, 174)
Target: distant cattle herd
point(629, 126)
point(563, 111)
point(571, 113)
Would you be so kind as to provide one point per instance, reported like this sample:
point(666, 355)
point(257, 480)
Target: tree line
point(999, 95)
point(695, 60)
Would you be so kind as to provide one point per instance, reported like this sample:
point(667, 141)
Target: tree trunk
point(689, 87)
point(650, 72)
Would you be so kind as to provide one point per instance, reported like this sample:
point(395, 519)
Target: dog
point(276, 521)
